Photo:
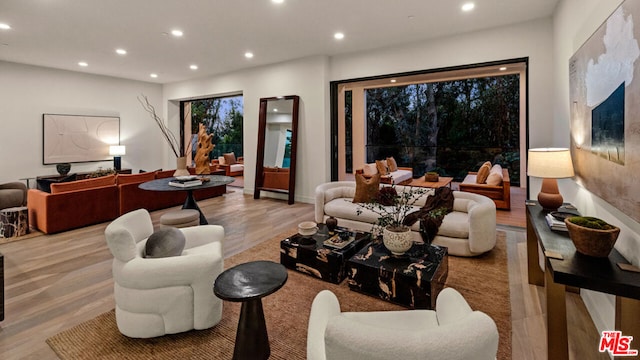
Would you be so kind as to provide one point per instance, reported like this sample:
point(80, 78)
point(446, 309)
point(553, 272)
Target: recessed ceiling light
point(277, 1)
point(503, 68)
point(153, 75)
point(83, 64)
point(393, 80)
point(468, 6)
point(193, 67)
point(338, 35)
point(275, 110)
point(4, 26)
point(121, 51)
point(176, 33)
point(248, 55)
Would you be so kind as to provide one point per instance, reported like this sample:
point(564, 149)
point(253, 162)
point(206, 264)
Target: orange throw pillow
point(366, 189)
point(392, 164)
point(229, 158)
point(381, 165)
point(483, 173)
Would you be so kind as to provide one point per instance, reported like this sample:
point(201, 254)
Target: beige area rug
point(483, 281)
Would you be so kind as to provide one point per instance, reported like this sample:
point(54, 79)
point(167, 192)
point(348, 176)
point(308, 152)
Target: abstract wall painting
point(604, 77)
point(78, 138)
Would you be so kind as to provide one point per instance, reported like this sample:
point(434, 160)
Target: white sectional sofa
point(469, 230)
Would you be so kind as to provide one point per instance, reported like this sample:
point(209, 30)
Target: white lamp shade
point(117, 150)
point(550, 163)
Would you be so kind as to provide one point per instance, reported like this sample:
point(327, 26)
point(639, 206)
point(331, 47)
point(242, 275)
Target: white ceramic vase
point(181, 167)
point(397, 240)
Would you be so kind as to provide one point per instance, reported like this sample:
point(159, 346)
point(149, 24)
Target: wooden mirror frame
point(262, 127)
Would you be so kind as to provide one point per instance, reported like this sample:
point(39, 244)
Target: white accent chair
point(158, 296)
point(453, 332)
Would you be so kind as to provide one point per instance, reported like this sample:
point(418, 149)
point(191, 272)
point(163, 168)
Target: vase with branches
point(172, 140)
point(392, 207)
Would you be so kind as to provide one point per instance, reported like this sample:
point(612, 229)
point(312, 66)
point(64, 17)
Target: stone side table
point(14, 222)
point(318, 260)
point(412, 280)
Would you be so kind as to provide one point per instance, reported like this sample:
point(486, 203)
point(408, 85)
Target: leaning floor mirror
point(277, 144)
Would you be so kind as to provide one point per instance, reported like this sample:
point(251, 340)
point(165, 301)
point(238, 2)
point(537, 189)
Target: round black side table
point(249, 283)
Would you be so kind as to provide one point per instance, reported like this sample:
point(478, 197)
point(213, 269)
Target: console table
point(79, 175)
point(577, 270)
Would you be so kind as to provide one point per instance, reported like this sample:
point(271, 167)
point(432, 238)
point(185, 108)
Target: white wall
point(310, 78)
point(26, 92)
point(574, 22)
point(531, 39)
point(305, 78)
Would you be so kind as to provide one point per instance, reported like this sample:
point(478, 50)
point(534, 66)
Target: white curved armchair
point(158, 296)
point(453, 331)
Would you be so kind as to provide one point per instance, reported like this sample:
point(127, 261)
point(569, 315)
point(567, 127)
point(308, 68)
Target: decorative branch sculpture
point(173, 142)
point(204, 149)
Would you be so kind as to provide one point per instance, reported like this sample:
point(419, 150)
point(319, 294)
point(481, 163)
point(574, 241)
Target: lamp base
point(549, 196)
point(117, 164)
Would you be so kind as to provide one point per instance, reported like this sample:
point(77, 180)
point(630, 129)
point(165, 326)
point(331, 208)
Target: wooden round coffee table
point(249, 283)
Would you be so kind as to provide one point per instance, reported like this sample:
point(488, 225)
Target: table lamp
point(116, 151)
point(550, 164)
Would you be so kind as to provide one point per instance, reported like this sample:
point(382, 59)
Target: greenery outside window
point(222, 117)
point(449, 121)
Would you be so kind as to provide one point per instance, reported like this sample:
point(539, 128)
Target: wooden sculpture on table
point(204, 149)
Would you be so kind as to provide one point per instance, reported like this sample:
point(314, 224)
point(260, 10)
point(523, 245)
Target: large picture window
point(448, 121)
point(221, 116)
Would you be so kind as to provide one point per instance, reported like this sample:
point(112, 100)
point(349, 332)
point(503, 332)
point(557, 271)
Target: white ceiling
point(217, 33)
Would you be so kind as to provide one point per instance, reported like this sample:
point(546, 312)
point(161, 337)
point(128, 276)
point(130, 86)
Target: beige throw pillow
point(381, 165)
point(495, 175)
point(369, 169)
point(392, 164)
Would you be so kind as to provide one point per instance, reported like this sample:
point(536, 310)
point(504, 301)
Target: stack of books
point(555, 224)
point(185, 182)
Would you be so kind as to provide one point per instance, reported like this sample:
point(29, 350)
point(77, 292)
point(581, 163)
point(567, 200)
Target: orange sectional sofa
point(85, 202)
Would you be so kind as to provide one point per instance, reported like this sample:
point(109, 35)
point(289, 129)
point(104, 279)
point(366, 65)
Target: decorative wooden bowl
point(431, 177)
point(592, 242)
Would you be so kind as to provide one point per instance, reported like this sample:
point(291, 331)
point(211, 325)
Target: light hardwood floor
point(56, 281)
